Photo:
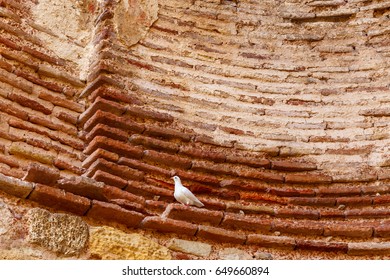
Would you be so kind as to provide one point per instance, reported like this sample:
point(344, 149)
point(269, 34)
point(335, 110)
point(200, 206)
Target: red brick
point(109, 179)
point(139, 112)
point(98, 82)
point(167, 159)
point(250, 161)
point(15, 186)
point(65, 165)
point(367, 213)
point(121, 171)
point(5, 65)
point(113, 146)
point(10, 108)
point(115, 95)
point(205, 179)
point(292, 166)
point(192, 214)
point(201, 153)
point(289, 192)
point(332, 214)
point(369, 248)
point(155, 206)
point(321, 246)
point(100, 153)
point(339, 191)
point(58, 100)
point(83, 186)
point(110, 193)
point(52, 72)
point(213, 204)
point(42, 174)
point(106, 131)
point(269, 241)
point(382, 199)
point(348, 230)
point(114, 213)
point(308, 179)
point(213, 168)
point(148, 191)
point(220, 235)
point(112, 120)
point(298, 213)
point(59, 199)
point(245, 222)
point(249, 208)
point(261, 175)
point(301, 227)
point(9, 160)
point(313, 201)
point(128, 205)
point(354, 201)
point(153, 143)
point(149, 169)
point(382, 230)
point(169, 225)
point(10, 43)
point(42, 56)
point(167, 133)
point(35, 80)
point(102, 105)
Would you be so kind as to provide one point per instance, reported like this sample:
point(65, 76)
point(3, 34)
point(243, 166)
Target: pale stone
point(234, 254)
point(6, 219)
point(190, 247)
point(263, 256)
point(108, 243)
point(61, 233)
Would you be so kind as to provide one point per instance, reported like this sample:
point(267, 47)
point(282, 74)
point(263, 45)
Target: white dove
point(184, 195)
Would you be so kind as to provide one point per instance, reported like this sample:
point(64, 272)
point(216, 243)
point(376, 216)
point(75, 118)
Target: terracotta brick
point(42, 174)
point(270, 241)
point(128, 205)
point(156, 206)
point(9, 160)
point(220, 235)
point(339, 191)
point(9, 108)
point(381, 200)
point(301, 227)
point(52, 72)
point(322, 246)
point(111, 212)
point(332, 214)
point(59, 199)
point(213, 168)
point(289, 192)
point(167, 133)
point(354, 201)
point(166, 159)
point(383, 230)
point(192, 214)
point(261, 175)
point(109, 179)
point(204, 139)
point(115, 94)
point(106, 131)
point(139, 112)
point(113, 146)
point(169, 225)
point(200, 153)
point(250, 161)
point(367, 213)
point(53, 86)
point(148, 191)
point(83, 186)
point(100, 153)
point(112, 120)
point(213, 204)
point(368, 248)
point(59, 100)
point(313, 201)
point(153, 143)
point(15, 187)
point(293, 166)
point(202, 178)
point(53, 124)
point(30, 152)
point(10, 44)
point(245, 222)
point(298, 214)
point(121, 171)
point(249, 208)
point(5, 65)
point(147, 168)
point(348, 230)
point(102, 105)
point(98, 82)
point(375, 189)
point(308, 179)
point(111, 192)
point(63, 164)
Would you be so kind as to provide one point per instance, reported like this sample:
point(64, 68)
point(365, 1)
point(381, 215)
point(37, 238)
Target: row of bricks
point(107, 211)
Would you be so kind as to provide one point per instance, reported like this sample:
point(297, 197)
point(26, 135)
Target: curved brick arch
point(274, 115)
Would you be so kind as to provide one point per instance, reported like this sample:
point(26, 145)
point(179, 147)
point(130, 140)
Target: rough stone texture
point(60, 233)
point(108, 243)
point(196, 248)
point(6, 219)
point(234, 254)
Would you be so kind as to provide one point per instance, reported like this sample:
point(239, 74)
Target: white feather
point(184, 195)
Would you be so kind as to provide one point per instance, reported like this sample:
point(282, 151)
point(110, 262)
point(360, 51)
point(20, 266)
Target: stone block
point(61, 233)
point(234, 254)
point(196, 248)
point(15, 186)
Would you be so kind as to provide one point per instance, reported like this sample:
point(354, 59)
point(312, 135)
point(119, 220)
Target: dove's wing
point(190, 196)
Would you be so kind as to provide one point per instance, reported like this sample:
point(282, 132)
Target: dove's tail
point(198, 203)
